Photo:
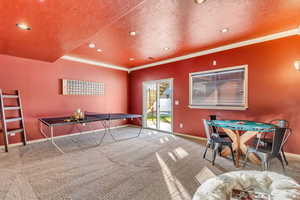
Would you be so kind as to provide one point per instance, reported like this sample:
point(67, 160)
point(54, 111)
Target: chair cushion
point(220, 187)
point(263, 141)
point(222, 134)
point(262, 149)
point(225, 141)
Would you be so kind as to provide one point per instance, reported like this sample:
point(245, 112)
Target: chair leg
point(220, 149)
point(283, 155)
point(232, 154)
point(246, 158)
point(207, 146)
point(281, 161)
point(268, 164)
point(215, 150)
point(214, 156)
point(264, 165)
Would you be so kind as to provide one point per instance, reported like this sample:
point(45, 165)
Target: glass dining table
point(240, 132)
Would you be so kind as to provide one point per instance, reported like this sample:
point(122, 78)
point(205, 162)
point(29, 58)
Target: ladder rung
point(10, 96)
point(12, 131)
point(13, 119)
point(12, 108)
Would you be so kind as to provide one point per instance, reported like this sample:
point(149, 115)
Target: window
point(220, 89)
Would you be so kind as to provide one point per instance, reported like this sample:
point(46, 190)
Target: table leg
point(109, 131)
point(238, 148)
point(52, 140)
point(233, 137)
point(105, 132)
point(141, 129)
point(243, 140)
point(116, 140)
point(51, 137)
point(41, 130)
point(239, 145)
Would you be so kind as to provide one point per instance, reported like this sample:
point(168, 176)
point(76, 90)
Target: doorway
point(158, 105)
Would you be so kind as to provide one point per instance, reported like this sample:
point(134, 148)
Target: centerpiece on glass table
point(77, 115)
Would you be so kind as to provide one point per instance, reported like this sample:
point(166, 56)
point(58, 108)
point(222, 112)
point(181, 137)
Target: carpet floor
point(154, 166)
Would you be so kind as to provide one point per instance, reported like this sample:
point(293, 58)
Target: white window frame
point(245, 67)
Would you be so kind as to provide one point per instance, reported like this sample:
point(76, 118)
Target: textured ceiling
point(165, 28)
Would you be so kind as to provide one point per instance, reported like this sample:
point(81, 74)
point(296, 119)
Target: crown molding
point(266, 38)
point(92, 62)
point(223, 48)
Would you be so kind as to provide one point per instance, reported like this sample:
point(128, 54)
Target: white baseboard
point(62, 136)
point(291, 155)
point(133, 125)
point(190, 136)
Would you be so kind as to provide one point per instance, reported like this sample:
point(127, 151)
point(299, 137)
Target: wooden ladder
point(5, 120)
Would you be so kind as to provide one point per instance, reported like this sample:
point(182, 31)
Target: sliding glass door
point(158, 104)
point(151, 105)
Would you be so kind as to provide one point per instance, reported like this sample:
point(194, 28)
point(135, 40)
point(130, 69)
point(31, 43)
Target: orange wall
point(40, 87)
point(274, 86)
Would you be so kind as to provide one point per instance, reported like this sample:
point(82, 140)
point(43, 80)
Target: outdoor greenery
point(151, 102)
point(163, 118)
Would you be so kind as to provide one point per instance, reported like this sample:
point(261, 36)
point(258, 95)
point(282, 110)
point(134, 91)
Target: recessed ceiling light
point(199, 1)
point(131, 59)
point(23, 27)
point(166, 48)
point(92, 45)
point(224, 30)
point(132, 33)
point(99, 50)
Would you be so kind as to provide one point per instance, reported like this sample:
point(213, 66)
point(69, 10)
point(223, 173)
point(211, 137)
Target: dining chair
point(267, 152)
point(268, 141)
point(214, 129)
point(215, 142)
point(283, 124)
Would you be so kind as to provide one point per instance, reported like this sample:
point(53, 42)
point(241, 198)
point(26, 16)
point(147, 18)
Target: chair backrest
point(282, 123)
point(207, 129)
point(213, 117)
point(279, 139)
